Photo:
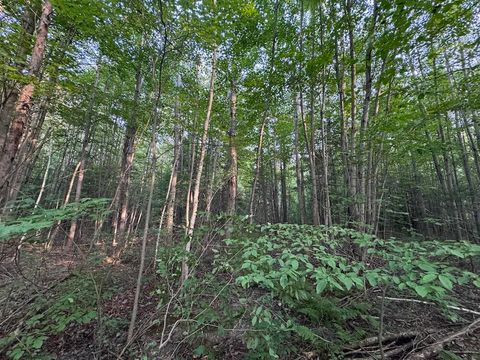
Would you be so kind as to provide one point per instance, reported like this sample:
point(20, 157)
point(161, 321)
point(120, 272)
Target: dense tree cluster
point(354, 112)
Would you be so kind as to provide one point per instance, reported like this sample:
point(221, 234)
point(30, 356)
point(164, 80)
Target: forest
point(240, 179)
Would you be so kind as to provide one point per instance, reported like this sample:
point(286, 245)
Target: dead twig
point(436, 347)
point(458, 308)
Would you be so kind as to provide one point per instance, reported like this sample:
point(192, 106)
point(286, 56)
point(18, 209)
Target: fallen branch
point(435, 348)
point(393, 337)
point(432, 303)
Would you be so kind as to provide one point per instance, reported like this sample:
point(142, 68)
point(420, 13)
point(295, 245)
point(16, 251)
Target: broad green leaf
point(428, 278)
point(445, 281)
point(421, 290)
point(346, 281)
point(372, 278)
point(321, 285)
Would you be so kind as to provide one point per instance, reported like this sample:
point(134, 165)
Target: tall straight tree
point(201, 158)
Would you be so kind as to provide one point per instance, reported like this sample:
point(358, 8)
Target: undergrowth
point(283, 287)
point(267, 291)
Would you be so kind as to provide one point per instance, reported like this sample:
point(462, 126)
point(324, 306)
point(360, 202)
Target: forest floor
point(65, 307)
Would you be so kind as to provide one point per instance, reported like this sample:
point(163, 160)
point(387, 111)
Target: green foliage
point(41, 219)
point(304, 269)
point(74, 303)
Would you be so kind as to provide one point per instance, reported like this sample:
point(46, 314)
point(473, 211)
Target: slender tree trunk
point(327, 211)
point(44, 181)
point(83, 157)
point(120, 224)
point(264, 126)
point(362, 173)
point(298, 164)
point(275, 204)
point(201, 160)
point(65, 203)
point(173, 179)
point(232, 133)
point(211, 182)
point(283, 176)
point(153, 151)
point(353, 195)
point(340, 79)
point(256, 175)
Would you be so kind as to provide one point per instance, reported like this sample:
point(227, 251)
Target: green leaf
point(252, 343)
point(38, 342)
point(346, 281)
point(372, 278)
point(426, 267)
point(321, 285)
point(456, 253)
point(272, 353)
point(200, 350)
point(331, 262)
point(421, 290)
point(294, 264)
point(428, 278)
point(335, 283)
point(445, 281)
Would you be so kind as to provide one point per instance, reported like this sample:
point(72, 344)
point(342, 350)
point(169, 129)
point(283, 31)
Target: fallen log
point(385, 339)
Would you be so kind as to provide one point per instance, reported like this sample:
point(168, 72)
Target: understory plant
point(297, 275)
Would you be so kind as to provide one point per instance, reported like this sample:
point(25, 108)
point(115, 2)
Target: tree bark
point(21, 114)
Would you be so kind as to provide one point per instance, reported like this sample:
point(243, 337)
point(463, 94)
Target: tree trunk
point(362, 171)
point(211, 182)
point(352, 172)
point(9, 95)
point(173, 177)
point(201, 160)
point(283, 176)
point(83, 158)
point(153, 151)
point(298, 164)
point(21, 114)
point(120, 224)
point(232, 133)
